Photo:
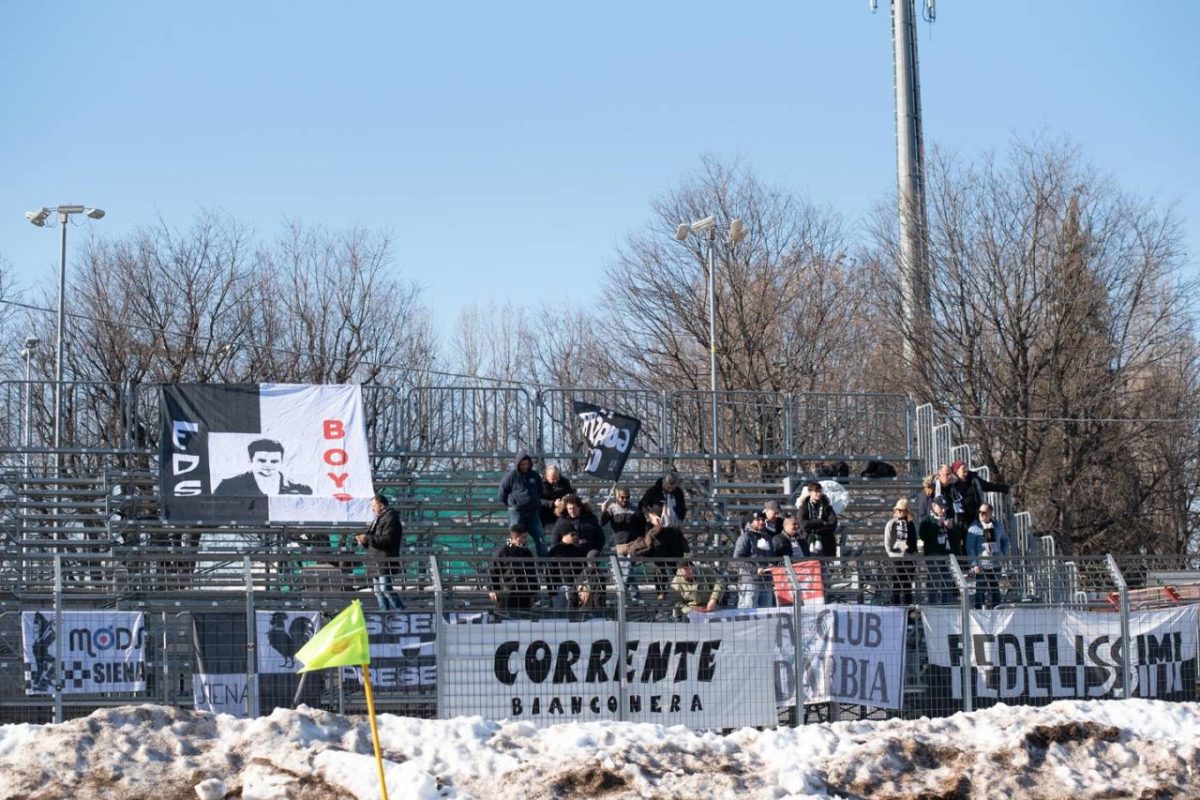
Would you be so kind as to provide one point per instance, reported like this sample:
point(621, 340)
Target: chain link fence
point(706, 642)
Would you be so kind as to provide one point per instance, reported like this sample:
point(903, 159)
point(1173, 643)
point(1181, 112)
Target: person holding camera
point(986, 540)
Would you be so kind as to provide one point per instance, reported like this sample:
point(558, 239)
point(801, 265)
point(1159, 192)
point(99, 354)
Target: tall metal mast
point(910, 167)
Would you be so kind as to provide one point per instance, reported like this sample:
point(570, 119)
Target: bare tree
point(1054, 297)
point(206, 304)
point(336, 312)
point(787, 297)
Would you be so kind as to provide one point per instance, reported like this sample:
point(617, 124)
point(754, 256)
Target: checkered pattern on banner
point(100, 651)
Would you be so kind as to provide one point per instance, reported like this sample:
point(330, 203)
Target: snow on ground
point(1077, 750)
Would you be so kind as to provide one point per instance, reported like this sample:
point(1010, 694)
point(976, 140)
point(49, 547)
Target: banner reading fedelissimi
point(701, 676)
point(1034, 656)
point(263, 453)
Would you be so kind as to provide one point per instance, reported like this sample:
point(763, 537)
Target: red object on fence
point(808, 576)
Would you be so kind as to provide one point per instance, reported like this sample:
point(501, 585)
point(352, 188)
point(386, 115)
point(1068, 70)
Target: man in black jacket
point(382, 539)
point(667, 493)
point(974, 491)
point(521, 493)
point(513, 576)
point(555, 487)
point(818, 521)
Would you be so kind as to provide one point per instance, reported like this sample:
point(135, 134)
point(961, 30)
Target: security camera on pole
point(736, 232)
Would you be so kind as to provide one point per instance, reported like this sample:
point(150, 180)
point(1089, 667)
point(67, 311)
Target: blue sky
point(511, 147)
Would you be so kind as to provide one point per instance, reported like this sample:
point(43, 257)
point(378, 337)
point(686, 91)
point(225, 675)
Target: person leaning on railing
point(512, 576)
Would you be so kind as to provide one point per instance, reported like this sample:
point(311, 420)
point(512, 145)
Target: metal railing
point(1041, 629)
point(478, 427)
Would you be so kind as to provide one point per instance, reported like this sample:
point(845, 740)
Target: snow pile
point(1081, 750)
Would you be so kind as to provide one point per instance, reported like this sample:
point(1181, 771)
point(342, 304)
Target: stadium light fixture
point(38, 217)
point(735, 232)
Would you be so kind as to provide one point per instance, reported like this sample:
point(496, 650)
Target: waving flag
point(610, 435)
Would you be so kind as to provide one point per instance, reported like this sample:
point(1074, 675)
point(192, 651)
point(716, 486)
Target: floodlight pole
point(712, 343)
point(63, 217)
point(910, 168)
point(38, 218)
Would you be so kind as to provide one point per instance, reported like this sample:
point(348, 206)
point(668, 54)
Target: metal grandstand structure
point(92, 534)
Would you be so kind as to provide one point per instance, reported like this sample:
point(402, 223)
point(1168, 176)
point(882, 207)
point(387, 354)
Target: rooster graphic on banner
point(281, 634)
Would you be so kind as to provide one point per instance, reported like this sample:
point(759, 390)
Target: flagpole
point(374, 729)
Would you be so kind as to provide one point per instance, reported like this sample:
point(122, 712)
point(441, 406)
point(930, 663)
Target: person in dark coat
point(555, 487)
point(662, 540)
point(667, 493)
point(754, 554)
point(626, 522)
point(974, 491)
point(789, 542)
point(934, 533)
point(382, 539)
point(577, 534)
point(921, 504)
point(521, 493)
point(818, 521)
point(512, 576)
point(577, 529)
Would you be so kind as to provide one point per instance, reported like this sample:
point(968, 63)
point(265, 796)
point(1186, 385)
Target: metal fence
point(479, 427)
point(600, 638)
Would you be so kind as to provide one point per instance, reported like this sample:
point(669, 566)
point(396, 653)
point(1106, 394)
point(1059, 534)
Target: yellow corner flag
point(341, 643)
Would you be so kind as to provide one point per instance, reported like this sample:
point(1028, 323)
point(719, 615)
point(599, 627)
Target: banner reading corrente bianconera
point(710, 676)
point(851, 654)
point(102, 651)
point(1035, 656)
point(263, 453)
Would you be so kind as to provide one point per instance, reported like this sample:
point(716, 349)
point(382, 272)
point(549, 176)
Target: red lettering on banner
point(336, 456)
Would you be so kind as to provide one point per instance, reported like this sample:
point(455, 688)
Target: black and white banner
point(280, 636)
point(260, 453)
point(850, 654)
point(703, 676)
point(102, 651)
point(610, 435)
point(220, 680)
point(404, 650)
point(1034, 656)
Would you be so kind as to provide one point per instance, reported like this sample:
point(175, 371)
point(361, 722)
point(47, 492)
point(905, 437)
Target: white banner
point(551, 672)
point(280, 634)
point(852, 654)
point(102, 651)
point(1031, 655)
point(220, 694)
point(264, 453)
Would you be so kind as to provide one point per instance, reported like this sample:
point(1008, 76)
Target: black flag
point(610, 436)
